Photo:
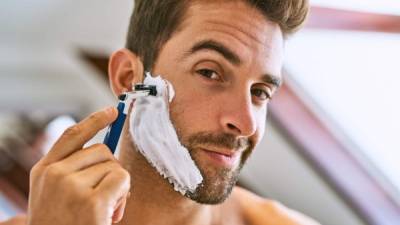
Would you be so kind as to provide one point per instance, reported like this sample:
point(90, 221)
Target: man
point(224, 59)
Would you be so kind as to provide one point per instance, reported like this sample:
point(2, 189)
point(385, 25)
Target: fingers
point(85, 158)
point(92, 176)
point(76, 136)
point(114, 185)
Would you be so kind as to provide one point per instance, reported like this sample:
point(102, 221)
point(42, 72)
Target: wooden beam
point(328, 18)
point(98, 60)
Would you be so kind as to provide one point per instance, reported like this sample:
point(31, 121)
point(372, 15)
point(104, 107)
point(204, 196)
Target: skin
point(213, 94)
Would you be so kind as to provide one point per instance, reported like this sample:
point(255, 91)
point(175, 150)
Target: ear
point(125, 69)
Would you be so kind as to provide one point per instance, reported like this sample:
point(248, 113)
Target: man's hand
point(79, 186)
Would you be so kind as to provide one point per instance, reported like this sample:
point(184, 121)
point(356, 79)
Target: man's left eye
point(260, 93)
point(211, 74)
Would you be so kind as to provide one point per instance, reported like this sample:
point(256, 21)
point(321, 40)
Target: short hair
point(153, 22)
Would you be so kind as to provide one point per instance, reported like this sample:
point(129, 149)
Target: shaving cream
point(156, 138)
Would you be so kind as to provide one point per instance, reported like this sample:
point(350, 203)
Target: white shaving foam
point(157, 140)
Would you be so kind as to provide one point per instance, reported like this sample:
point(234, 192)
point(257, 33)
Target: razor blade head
point(151, 88)
point(122, 97)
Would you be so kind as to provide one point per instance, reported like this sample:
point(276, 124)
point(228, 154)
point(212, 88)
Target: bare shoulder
point(18, 220)
point(259, 211)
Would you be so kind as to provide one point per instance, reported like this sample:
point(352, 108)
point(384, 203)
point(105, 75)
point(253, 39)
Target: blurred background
point(331, 149)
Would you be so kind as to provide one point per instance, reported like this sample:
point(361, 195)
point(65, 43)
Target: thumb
point(119, 209)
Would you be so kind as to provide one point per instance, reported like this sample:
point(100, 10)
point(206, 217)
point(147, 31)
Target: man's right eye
point(210, 74)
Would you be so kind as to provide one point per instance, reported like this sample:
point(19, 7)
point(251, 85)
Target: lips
point(222, 152)
point(225, 158)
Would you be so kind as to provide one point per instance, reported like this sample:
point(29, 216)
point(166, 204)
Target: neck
point(153, 200)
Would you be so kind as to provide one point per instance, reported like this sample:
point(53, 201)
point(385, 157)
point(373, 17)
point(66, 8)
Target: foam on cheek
point(157, 140)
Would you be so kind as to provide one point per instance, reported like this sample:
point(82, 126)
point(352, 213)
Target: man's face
point(224, 62)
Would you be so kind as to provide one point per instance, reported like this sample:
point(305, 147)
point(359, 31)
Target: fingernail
point(109, 110)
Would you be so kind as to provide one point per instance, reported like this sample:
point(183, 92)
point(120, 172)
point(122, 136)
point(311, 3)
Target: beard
point(218, 182)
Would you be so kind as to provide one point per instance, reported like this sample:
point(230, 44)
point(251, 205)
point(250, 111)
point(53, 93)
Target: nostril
point(233, 127)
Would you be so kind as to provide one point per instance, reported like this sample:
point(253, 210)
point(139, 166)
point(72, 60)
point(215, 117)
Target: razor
point(125, 100)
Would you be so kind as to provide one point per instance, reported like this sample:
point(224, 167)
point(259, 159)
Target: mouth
point(225, 158)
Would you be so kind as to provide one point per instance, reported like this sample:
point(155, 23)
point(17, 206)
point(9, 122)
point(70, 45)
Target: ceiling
point(40, 52)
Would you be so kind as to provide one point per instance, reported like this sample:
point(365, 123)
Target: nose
point(237, 117)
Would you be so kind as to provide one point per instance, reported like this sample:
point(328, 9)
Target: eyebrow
point(272, 79)
point(231, 57)
point(217, 47)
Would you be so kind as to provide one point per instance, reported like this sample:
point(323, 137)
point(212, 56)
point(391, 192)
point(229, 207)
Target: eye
point(261, 94)
point(210, 74)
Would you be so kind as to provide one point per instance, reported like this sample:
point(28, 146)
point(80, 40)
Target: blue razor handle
point(114, 131)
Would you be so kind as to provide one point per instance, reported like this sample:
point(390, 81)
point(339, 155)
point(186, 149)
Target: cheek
point(190, 111)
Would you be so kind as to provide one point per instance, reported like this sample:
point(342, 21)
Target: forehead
point(237, 25)
point(236, 14)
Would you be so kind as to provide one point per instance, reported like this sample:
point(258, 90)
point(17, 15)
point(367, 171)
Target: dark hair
point(153, 22)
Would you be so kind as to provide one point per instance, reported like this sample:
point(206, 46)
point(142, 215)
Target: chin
point(217, 184)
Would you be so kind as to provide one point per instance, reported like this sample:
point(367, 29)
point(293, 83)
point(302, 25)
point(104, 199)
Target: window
point(354, 78)
point(340, 102)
